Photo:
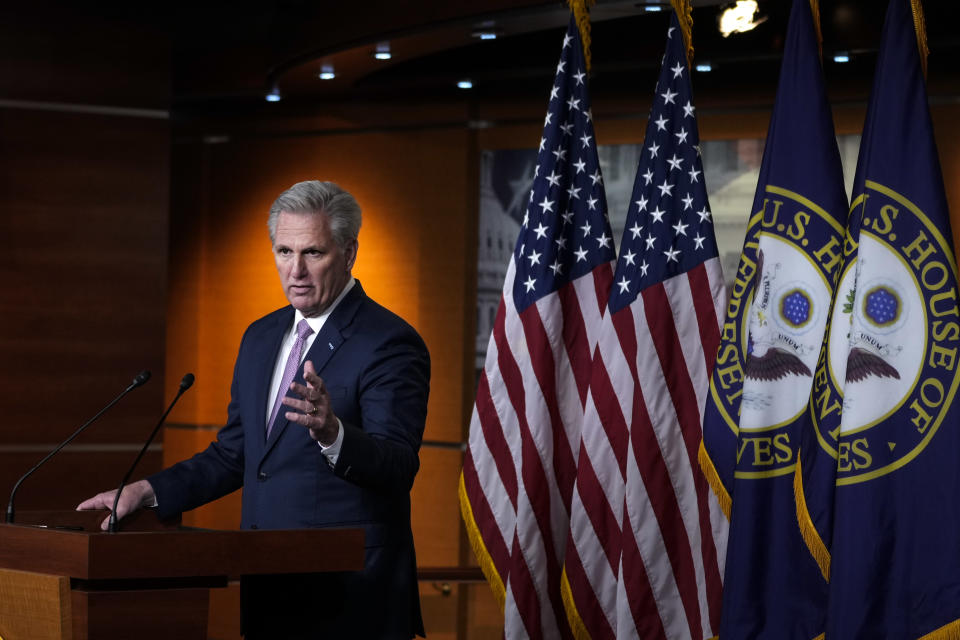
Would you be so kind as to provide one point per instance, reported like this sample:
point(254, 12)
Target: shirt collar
point(317, 322)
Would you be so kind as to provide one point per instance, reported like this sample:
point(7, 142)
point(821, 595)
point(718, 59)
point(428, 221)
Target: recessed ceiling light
point(841, 57)
point(383, 51)
point(704, 67)
point(465, 84)
point(273, 95)
point(486, 30)
point(326, 72)
point(653, 8)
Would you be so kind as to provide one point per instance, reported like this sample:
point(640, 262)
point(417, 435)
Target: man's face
point(313, 268)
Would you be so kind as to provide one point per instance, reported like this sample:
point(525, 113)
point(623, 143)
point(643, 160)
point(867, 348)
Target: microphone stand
point(185, 384)
point(141, 378)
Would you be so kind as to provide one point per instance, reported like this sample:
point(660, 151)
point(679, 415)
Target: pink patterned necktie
point(293, 363)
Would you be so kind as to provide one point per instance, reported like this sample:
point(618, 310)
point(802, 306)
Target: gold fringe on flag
point(573, 616)
point(685, 17)
point(581, 13)
point(921, 27)
point(479, 549)
point(713, 479)
point(949, 631)
point(815, 10)
point(809, 532)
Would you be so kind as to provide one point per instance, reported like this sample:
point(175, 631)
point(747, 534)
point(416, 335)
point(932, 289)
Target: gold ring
point(313, 410)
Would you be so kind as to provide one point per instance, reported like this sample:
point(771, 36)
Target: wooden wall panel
point(436, 507)
point(79, 54)
point(946, 122)
point(82, 279)
point(82, 270)
point(71, 476)
point(181, 442)
point(84, 185)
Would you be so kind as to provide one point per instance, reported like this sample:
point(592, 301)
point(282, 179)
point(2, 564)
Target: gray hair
point(314, 196)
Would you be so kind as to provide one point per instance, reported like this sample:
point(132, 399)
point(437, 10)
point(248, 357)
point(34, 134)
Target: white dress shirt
point(331, 452)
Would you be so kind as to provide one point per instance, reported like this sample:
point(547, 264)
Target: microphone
point(140, 379)
point(185, 383)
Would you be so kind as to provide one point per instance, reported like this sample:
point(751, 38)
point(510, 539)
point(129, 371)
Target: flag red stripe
point(483, 517)
point(598, 510)
point(643, 607)
point(495, 440)
point(656, 480)
point(531, 470)
point(545, 370)
point(655, 476)
point(575, 339)
point(534, 478)
point(524, 592)
point(602, 284)
point(667, 341)
point(588, 607)
point(706, 312)
point(596, 506)
point(608, 409)
point(664, 333)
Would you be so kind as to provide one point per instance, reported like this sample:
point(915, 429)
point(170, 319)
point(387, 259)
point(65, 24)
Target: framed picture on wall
point(731, 169)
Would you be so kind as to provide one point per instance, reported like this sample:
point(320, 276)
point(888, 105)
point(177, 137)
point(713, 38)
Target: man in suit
point(327, 411)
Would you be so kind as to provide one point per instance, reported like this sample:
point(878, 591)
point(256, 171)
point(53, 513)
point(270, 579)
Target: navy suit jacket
point(376, 369)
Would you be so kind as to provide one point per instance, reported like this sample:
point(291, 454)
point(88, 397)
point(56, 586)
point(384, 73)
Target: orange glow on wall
point(416, 245)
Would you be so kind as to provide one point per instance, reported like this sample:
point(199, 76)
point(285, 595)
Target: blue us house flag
point(771, 340)
point(894, 548)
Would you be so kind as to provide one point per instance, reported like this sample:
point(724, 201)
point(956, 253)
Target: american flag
point(520, 464)
point(647, 537)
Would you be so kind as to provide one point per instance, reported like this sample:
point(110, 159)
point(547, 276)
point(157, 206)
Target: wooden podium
point(61, 577)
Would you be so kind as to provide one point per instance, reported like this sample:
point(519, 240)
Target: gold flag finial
point(815, 10)
point(685, 17)
point(582, 15)
point(921, 27)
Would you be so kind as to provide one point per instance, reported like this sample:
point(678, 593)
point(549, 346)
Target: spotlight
point(465, 84)
point(326, 72)
point(740, 17)
point(704, 67)
point(273, 95)
point(841, 56)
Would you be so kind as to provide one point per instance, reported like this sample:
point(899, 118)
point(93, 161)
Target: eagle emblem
point(862, 364)
point(882, 309)
point(767, 358)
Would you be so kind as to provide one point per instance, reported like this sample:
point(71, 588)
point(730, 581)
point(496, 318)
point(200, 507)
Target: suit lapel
point(326, 344)
point(265, 356)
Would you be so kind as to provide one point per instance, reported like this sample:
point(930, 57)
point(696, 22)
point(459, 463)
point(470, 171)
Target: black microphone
point(139, 380)
point(185, 383)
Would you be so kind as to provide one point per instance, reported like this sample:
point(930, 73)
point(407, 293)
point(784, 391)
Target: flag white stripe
point(666, 427)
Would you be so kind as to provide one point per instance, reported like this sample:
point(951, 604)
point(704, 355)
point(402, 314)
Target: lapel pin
point(331, 345)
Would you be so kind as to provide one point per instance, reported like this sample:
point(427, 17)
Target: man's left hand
point(314, 410)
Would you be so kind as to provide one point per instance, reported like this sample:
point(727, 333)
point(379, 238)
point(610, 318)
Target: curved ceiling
point(229, 55)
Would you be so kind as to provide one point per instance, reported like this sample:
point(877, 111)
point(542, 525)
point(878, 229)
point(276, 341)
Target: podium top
point(59, 549)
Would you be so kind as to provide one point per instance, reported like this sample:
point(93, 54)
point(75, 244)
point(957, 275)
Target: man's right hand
point(135, 496)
